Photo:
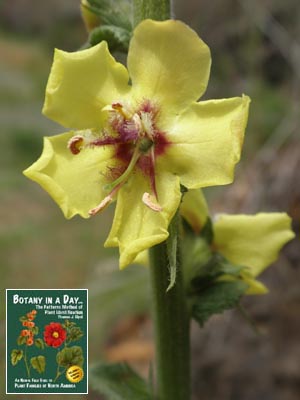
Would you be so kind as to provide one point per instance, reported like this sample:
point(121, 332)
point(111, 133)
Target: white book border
point(87, 341)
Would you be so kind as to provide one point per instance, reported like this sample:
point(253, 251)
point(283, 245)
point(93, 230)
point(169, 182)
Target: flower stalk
point(158, 10)
point(26, 361)
point(171, 324)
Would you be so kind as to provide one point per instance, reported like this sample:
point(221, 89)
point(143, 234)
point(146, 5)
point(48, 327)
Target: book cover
point(46, 341)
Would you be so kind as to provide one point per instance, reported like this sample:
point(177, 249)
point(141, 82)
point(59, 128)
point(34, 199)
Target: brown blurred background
point(255, 50)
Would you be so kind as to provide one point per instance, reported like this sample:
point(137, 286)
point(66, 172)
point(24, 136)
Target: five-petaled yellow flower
point(136, 136)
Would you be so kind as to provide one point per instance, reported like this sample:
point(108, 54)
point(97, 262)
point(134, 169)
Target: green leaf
point(118, 382)
point(23, 318)
point(74, 333)
point(16, 356)
point(117, 38)
point(38, 363)
point(216, 299)
point(39, 343)
point(21, 340)
point(68, 323)
point(231, 269)
point(35, 330)
point(112, 12)
point(214, 268)
point(70, 356)
point(172, 253)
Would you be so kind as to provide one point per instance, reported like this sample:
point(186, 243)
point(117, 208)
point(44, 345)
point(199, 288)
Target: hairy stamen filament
point(105, 202)
point(152, 173)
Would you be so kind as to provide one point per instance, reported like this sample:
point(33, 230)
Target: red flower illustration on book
point(54, 334)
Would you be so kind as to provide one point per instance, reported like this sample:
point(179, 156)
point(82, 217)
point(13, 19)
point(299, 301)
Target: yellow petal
point(168, 62)
point(255, 287)
point(142, 258)
point(252, 240)
point(136, 227)
point(194, 209)
point(74, 181)
point(81, 83)
point(207, 141)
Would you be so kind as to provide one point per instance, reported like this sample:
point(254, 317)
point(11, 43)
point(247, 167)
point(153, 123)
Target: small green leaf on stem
point(39, 343)
point(172, 253)
point(70, 356)
point(112, 12)
point(16, 356)
point(21, 340)
point(38, 363)
point(117, 37)
point(118, 382)
point(35, 330)
point(216, 299)
point(214, 268)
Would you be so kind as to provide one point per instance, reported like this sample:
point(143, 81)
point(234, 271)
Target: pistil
point(123, 178)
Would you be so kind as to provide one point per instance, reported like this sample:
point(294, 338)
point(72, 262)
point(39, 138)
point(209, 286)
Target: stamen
point(105, 141)
point(104, 203)
point(152, 173)
point(75, 144)
point(122, 110)
point(148, 201)
point(147, 123)
point(137, 122)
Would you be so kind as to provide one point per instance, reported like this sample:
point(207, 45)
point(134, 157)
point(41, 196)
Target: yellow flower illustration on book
point(135, 136)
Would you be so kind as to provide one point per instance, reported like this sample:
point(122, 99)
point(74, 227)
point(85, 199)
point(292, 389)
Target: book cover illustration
point(46, 341)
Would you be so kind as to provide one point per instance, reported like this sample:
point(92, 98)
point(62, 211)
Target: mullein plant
point(140, 137)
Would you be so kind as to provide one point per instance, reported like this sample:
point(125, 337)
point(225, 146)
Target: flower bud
point(91, 20)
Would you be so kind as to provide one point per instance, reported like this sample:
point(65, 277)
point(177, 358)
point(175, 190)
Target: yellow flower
point(194, 209)
point(252, 241)
point(136, 136)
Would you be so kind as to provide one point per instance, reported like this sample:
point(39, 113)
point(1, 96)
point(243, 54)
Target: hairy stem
point(159, 10)
point(171, 326)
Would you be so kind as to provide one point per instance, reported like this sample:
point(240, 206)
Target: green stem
point(26, 362)
point(171, 326)
point(159, 10)
point(59, 373)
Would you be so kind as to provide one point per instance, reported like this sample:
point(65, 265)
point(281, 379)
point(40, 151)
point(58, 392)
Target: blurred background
point(255, 49)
